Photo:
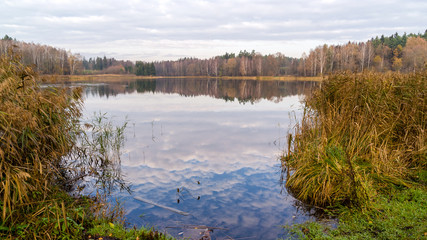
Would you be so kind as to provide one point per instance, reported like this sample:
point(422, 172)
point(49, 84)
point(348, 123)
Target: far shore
point(115, 77)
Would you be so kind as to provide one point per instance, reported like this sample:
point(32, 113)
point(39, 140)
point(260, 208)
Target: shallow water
point(206, 147)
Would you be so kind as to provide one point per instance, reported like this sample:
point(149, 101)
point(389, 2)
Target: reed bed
point(46, 153)
point(35, 129)
point(360, 135)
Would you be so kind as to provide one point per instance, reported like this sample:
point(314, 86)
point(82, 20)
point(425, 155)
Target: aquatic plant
point(360, 134)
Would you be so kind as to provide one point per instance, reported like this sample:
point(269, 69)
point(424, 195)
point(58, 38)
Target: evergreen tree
point(104, 63)
point(152, 69)
point(139, 68)
point(7, 38)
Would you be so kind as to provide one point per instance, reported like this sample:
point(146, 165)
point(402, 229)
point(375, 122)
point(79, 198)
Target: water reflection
point(218, 158)
point(242, 90)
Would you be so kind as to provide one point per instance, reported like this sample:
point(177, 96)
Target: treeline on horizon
point(404, 53)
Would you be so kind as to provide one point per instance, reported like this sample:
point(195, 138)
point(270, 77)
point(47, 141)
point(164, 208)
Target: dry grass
point(45, 152)
point(360, 133)
point(35, 133)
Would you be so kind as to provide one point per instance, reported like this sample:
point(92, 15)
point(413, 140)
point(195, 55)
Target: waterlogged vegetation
point(359, 153)
point(48, 156)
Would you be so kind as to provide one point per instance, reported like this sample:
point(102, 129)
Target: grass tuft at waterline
point(361, 134)
point(360, 153)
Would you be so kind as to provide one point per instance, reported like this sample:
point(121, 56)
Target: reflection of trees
point(143, 85)
point(229, 90)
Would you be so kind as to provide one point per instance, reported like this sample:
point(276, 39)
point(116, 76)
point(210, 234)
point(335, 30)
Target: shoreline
point(111, 77)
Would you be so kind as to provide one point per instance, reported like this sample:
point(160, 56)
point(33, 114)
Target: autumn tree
point(243, 68)
point(397, 58)
point(415, 53)
point(230, 67)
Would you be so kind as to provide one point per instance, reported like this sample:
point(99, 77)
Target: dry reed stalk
point(40, 155)
point(359, 133)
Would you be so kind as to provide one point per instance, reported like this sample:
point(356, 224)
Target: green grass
point(57, 217)
point(400, 215)
point(116, 231)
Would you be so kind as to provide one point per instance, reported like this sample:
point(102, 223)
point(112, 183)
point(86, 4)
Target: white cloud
point(204, 28)
point(76, 20)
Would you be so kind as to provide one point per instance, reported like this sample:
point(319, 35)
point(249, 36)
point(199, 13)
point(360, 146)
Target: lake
point(208, 147)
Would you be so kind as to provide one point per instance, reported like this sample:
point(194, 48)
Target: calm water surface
point(216, 141)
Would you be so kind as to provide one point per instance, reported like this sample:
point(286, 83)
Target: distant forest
point(394, 53)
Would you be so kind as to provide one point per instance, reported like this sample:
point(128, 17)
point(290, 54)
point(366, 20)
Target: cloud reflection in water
point(231, 148)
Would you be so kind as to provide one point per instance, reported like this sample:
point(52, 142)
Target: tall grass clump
point(46, 153)
point(360, 134)
point(36, 129)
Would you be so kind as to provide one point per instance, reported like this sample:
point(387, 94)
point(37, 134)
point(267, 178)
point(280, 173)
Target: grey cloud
point(85, 27)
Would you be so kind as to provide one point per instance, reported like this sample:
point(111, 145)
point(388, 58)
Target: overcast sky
point(168, 30)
